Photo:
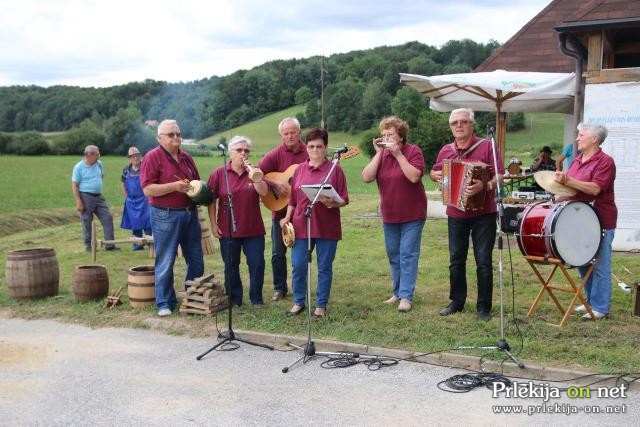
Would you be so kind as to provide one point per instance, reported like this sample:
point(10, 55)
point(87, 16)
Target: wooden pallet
point(205, 296)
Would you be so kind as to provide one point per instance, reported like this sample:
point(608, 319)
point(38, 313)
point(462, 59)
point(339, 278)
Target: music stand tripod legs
point(231, 227)
point(309, 348)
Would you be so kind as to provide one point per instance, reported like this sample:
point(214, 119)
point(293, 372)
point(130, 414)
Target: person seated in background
point(544, 162)
point(135, 214)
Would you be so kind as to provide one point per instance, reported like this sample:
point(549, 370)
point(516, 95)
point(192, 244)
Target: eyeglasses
point(315, 147)
point(173, 134)
point(459, 123)
point(241, 150)
point(388, 135)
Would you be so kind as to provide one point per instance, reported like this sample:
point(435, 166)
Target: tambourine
point(288, 235)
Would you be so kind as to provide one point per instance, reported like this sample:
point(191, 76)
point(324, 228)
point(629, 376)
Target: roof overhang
point(600, 24)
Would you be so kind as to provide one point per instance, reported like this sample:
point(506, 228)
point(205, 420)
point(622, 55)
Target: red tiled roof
point(535, 46)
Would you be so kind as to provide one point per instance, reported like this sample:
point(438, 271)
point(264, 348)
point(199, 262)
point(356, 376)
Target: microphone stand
point(502, 344)
point(231, 228)
point(309, 349)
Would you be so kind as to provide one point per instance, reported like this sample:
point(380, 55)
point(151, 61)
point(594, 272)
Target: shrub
point(74, 141)
point(5, 140)
point(28, 144)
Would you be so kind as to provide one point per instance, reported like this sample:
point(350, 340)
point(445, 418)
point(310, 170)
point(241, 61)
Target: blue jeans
point(483, 234)
point(278, 258)
point(598, 286)
point(402, 242)
point(253, 248)
point(170, 229)
point(325, 254)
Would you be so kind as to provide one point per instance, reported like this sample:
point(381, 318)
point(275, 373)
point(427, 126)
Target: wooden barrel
point(141, 286)
point(90, 282)
point(32, 273)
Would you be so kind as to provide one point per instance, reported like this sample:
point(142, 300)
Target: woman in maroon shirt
point(593, 173)
point(325, 222)
point(397, 167)
point(249, 234)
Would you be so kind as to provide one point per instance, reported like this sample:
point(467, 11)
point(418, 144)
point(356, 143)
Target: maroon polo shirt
point(482, 153)
point(246, 203)
point(325, 222)
point(278, 160)
point(158, 167)
point(400, 199)
point(600, 169)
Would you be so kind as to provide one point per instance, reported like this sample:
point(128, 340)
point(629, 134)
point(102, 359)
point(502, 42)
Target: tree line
point(360, 88)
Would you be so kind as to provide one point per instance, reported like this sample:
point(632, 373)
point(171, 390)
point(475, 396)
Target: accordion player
point(456, 176)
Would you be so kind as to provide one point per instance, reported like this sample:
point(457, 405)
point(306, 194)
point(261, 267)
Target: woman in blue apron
point(135, 215)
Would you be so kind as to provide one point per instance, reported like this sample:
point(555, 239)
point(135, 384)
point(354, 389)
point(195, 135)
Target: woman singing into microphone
point(326, 229)
point(249, 235)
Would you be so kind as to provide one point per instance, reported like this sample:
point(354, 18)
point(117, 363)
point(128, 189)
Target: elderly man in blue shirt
point(86, 185)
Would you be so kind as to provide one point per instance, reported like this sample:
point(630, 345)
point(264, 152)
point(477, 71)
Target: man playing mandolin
point(292, 151)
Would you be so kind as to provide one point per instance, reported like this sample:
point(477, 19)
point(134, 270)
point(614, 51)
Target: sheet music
point(327, 190)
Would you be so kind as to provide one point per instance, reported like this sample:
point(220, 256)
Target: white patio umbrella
point(500, 91)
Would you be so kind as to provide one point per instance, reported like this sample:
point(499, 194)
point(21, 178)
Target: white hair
point(91, 149)
point(237, 140)
point(293, 120)
point(600, 131)
point(166, 122)
point(469, 112)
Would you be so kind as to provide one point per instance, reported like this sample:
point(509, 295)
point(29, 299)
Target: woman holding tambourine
point(246, 185)
point(326, 229)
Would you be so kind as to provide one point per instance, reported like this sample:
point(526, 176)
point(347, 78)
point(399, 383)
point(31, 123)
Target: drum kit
point(563, 234)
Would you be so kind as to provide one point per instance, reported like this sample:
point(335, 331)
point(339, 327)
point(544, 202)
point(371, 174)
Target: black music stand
point(502, 344)
point(231, 228)
point(309, 348)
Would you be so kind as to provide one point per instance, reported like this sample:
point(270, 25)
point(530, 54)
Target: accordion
point(456, 176)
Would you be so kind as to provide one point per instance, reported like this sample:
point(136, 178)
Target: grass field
point(38, 211)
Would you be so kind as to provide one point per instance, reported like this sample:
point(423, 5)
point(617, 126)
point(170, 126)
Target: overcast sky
point(105, 43)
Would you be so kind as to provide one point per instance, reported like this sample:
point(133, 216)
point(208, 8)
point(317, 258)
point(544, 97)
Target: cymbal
point(547, 180)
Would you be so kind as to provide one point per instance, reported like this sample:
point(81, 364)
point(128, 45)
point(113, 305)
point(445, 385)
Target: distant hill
point(359, 89)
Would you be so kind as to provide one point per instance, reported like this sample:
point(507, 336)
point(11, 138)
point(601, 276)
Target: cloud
point(98, 43)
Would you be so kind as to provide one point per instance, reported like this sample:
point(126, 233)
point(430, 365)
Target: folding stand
point(574, 289)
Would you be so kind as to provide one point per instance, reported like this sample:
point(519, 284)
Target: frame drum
point(200, 193)
point(570, 231)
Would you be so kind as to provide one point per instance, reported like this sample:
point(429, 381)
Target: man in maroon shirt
point(481, 225)
point(165, 175)
point(292, 151)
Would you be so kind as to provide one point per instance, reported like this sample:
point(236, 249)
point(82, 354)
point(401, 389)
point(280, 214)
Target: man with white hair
point(86, 186)
point(166, 173)
point(481, 225)
point(292, 151)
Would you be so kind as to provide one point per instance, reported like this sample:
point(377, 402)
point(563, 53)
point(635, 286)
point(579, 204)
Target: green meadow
point(37, 211)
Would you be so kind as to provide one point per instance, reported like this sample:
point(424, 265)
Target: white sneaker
point(163, 312)
point(580, 309)
point(596, 314)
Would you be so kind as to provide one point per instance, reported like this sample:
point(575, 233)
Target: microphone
point(221, 146)
point(341, 150)
point(492, 131)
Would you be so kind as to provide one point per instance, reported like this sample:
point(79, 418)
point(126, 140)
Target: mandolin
point(277, 203)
